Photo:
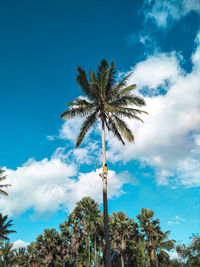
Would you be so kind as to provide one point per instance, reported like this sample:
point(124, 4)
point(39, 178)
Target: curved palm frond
point(104, 82)
point(111, 78)
point(2, 192)
point(80, 103)
point(76, 112)
point(87, 124)
point(114, 129)
point(83, 81)
point(122, 84)
point(124, 114)
point(126, 90)
point(128, 99)
point(133, 110)
point(2, 178)
point(124, 129)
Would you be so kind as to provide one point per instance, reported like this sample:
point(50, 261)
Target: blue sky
point(41, 44)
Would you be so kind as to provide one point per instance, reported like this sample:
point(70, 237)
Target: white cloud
point(20, 244)
point(174, 255)
point(197, 140)
point(37, 184)
point(165, 11)
point(89, 154)
point(156, 70)
point(168, 139)
point(188, 172)
point(50, 138)
point(70, 128)
point(163, 177)
point(49, 185)
point(177, 220)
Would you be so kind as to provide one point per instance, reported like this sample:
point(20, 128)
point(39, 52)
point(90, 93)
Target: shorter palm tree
point(4, 231)
point(124, 235)
point(2, 178)
point(156, 241)
point(7, 257)
point(21, 257)
point(48, 246)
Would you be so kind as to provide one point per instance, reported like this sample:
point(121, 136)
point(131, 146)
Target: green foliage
point(190, 253)
point(156, 241)
point(7, 254)
point(4, 227)
point(80, 242)
point(2, 178)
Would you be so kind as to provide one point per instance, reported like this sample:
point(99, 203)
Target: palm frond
point(75, 112)
point(5, 185)
point(104, 82)
point(111, 78)
point(127, 100)
point(133, 110)
point(2, 178)
point(103, 65)
point(127, 112)
point(123, 129)
point(83, 81)
point(80, 103)
point(94, 85)
point(113, 127)
point(121, 84)
point(2, 192)
point(87, 124)
point(124, 114)
point(126, 90)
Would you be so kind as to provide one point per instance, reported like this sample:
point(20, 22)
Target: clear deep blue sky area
point(41, 45)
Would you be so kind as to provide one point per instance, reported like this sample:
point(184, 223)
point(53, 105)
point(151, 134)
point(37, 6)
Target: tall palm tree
point(110, 102)
point(2, 178)
point(4, 231)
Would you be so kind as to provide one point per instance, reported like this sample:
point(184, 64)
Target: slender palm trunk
point(89, 248)
point(95, 251)
point(107, 250)
point(156, 260)
point(122, 260)
point(122, 252)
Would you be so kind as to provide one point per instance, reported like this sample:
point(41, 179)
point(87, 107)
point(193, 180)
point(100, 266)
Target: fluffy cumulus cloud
point(169, 138)
point(156, 70)
point(20, 244)
point(49, 185)
point(165, 11)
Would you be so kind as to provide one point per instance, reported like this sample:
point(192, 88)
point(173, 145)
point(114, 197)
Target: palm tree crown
point(105, 100)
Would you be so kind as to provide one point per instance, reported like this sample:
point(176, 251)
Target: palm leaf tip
point(63, 116)
point(2, 192)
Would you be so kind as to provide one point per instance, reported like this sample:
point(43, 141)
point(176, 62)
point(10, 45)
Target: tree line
point(80, 242)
